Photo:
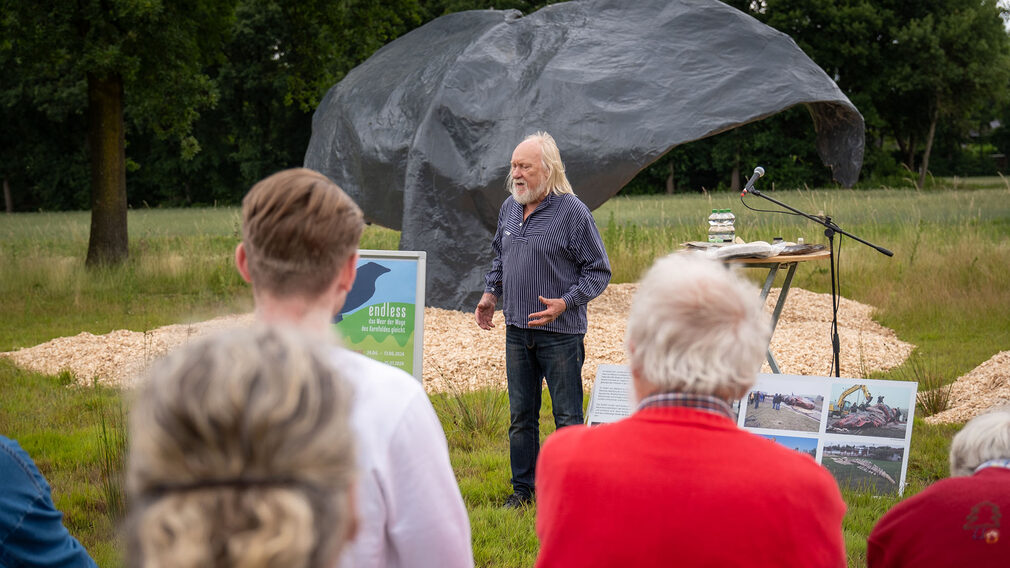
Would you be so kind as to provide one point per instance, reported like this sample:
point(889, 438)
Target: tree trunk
point(108, 243)
point(929, 146)
point(901, 148)
point(906, 149)
point(913, 143)
point(670, 188)
point(8, 202)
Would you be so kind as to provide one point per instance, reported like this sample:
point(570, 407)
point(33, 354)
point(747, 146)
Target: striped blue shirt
point(556, 253)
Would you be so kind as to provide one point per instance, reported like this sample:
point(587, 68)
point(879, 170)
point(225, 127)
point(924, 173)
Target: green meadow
point(945, 290)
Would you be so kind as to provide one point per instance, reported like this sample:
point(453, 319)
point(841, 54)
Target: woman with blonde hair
point(241, 454)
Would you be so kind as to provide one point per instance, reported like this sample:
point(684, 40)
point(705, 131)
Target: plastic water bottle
point(721, 227)
point(729, 221)
point(714, 227)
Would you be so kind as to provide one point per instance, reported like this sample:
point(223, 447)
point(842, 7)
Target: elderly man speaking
point(549, 263)
point(678, 483)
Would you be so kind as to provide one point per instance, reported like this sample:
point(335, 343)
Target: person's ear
point(345, 280)
point(640, 388)
point(242, 262)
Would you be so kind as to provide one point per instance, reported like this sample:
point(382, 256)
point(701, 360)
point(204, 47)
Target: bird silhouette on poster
point(363, 288)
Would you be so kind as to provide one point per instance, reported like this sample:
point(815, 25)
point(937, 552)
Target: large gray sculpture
point(420, 134)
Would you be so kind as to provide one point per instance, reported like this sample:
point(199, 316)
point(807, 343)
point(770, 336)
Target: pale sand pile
point(986, 386)
point(459, 355)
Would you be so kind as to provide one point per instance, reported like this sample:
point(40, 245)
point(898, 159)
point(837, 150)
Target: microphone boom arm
point(830, 229)
point(829, 225)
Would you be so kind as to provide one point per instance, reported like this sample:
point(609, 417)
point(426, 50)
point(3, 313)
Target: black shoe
point(517, 501)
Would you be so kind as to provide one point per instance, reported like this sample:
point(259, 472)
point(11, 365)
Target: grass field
point(946, 290)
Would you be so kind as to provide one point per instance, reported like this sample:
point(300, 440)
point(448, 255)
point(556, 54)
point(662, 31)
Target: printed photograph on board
point(800, 444)
point(869, 409)
point(784, 402)
point(864, 466)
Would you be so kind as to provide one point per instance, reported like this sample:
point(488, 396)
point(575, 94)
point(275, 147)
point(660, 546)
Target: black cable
point(838, 280)
point(835, 296)
point(768, 210)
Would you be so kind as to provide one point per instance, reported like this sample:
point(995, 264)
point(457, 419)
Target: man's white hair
point(985, 437)
point(556, 180)
point(697, 327)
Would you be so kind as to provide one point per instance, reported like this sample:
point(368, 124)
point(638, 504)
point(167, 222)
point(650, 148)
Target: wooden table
point(773, 264)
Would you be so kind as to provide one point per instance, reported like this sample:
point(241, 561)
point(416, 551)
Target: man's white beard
point(531, 195)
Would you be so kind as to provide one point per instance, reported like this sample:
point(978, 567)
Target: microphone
point(758, 172)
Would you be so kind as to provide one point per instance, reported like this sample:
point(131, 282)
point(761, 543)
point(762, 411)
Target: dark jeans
point(531, 356)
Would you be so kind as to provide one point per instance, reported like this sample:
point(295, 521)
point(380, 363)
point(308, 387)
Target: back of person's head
point(697, 327)
point(298, 228)
point(985, 437)
point(241, 454)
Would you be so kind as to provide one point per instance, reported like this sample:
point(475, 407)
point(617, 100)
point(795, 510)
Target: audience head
point(696, 327)
point(298, 230)
point(983, 438)
point(241, 454)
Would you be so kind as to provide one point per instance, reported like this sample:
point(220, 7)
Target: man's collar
point(1002, 463)
point(701, 402)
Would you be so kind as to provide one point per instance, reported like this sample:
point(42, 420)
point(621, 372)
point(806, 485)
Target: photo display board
point(859, 429)
point(383, 315)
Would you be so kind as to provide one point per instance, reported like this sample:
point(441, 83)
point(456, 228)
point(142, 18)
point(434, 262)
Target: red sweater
point(960, 521)
point(675, 486)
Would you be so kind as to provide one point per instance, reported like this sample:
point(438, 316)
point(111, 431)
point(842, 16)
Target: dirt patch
point(459, 355)
point(785, 418)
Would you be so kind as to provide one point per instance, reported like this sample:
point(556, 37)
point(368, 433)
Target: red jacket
point(675, 486)
point(960, 521)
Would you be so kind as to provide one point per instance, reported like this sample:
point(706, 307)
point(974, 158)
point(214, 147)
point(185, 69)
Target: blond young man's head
point(299, 229)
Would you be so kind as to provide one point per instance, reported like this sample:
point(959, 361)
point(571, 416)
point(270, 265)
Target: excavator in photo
point(843, 407)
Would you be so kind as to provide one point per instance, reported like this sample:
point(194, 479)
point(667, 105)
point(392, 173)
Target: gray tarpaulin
point(421, 134)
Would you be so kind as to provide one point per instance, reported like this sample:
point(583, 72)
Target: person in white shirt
point(300, 236)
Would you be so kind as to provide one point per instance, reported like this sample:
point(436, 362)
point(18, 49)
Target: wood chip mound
point(116, 358)
point(459, 356)
point(984, 387)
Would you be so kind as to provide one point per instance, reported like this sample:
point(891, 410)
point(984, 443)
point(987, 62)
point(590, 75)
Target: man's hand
point(554, 308)
point(485, 310)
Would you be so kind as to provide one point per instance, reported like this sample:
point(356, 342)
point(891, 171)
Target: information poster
point(859, 429)
point(383, 315)
point(611, 399)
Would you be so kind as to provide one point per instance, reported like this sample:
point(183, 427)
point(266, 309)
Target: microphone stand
point(830, 228)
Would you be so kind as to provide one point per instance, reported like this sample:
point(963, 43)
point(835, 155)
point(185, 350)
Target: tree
point(282, 57)
point(952, 56)
point(151, 52)
point(277, 62)
point(906, 66)
point(42, 160)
